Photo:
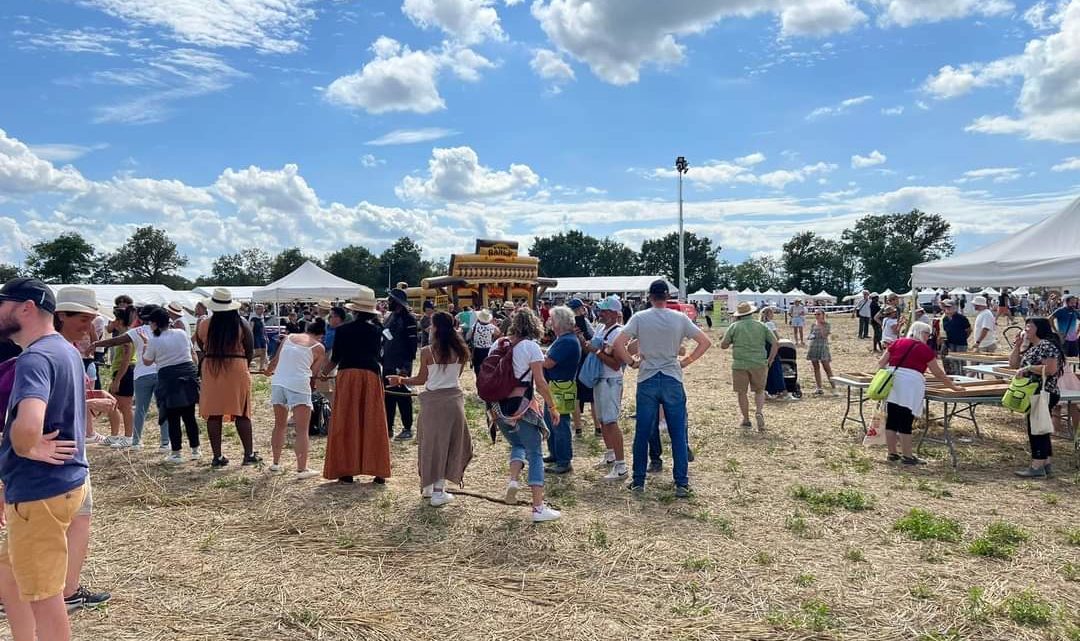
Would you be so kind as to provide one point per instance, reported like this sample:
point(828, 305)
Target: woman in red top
point(910, 357)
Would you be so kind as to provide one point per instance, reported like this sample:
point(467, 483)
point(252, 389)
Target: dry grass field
point(799, 533)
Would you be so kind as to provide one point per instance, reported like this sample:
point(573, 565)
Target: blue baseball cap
point(610, 304)
point(575, 303)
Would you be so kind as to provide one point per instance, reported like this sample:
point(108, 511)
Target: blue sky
point(275, 123)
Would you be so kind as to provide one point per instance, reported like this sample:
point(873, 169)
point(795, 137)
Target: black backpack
point(320, 415)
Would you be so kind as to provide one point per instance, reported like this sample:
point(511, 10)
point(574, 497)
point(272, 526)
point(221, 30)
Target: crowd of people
point(536, 369)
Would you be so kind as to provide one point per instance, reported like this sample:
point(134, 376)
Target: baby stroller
point(320, 415)
point(788, 357)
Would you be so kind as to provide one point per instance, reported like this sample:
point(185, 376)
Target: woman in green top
point(123, 377)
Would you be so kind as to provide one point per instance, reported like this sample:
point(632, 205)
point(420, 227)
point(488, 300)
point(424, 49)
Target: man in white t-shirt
point(608, 390)
point(862, 310)
point(985, 326)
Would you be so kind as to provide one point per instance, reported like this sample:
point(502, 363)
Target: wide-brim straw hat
point(980, 301)
point(325, 304)
point(221, 301)
point(79, 300)
point(175, 308)
point(507, 305)
point(398, 295)
point(484, 316)
point(744, 309)
point(362, 301)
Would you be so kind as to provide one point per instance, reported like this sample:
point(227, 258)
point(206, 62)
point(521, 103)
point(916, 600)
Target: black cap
point(429, 304)
point(24, 289)
point(659, 288)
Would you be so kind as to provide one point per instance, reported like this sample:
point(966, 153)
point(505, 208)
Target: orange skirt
point(225, 392)
point(358, 443)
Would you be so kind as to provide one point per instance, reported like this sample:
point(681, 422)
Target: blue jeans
point(526, 446)
point(560, 441)
point(652, 393)
point(146, 389)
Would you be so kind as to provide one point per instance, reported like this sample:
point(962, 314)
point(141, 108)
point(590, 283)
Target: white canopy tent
point(700, 296)
point(824, 296)
point(1044, 254)
point(960, 291)
point(749, 296)
point(239, 292)
point(141, 294)
point(598, 285)
point(308, 282)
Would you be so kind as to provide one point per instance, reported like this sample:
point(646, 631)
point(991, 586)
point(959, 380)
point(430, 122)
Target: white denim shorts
point(607, 399)
point(280, 395)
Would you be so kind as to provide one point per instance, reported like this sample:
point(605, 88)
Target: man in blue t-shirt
point(560, 370)
point(42, 455)
point(1067, 321)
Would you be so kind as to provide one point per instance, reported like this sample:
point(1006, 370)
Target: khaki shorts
point(36, 546)
point(741, 379)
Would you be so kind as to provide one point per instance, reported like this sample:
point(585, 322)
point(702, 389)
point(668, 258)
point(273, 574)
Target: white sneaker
point(195, 454)
point(96, 439)
point(111, 440)
point(174, 458)
point(545, 513)
point(306, 474)
point(618, 471)
point(441, 497)
point(606, 461)
point(276, 469)
point(426, 492)
point(511, 492)
point(165, 448)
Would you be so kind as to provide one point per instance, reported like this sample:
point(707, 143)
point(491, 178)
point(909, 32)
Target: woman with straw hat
point(227, 345)
point(481, 337)
point(358, 443)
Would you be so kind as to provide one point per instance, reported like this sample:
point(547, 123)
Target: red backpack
point(496, 380)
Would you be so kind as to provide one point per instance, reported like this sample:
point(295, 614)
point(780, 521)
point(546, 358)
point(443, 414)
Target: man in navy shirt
point(955, 329)
point(42, 458)
point(560, 370)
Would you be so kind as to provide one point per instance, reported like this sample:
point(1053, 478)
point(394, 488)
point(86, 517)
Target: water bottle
point(91, 371)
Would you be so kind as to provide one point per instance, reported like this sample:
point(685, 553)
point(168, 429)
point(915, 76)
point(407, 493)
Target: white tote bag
point(1040, 412)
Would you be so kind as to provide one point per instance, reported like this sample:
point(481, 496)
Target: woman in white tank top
point(444, 447)
point(298, 359)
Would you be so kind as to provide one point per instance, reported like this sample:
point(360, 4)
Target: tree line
point(878, 252)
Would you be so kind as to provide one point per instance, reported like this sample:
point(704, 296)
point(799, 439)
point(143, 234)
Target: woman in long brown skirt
point(358, 443)
point(444, 447)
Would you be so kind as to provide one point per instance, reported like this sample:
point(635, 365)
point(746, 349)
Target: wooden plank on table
point(989, 391)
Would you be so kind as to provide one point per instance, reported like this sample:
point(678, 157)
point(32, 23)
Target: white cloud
point(268, 26)
point(1069, 164)
point(400, 79)
point(842, 108)
point(62, 152)
point(997, 174)
point(470, 21)
point(1042, 16)
point(922, 105)
point(411, 136)
point(1048, 105)
point(84, 40)
point(893, 111)
point(595, 191)
point(455, 174)
point(616, 38)
point(369, 161)
point(905, 13)
point(550, 66)
point(23, 172)
point(750, 160)
point(168, 77)
point(780, 179)
point(874, 158)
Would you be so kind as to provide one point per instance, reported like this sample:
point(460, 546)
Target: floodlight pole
point(681, 167)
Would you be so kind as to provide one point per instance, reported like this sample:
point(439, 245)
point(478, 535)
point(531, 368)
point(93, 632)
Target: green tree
point(8, 272)
point(568, 255)
point(246, 268)
point(355, 263)
point(888, 246)
point(401, 262)
point(813, 263)
point(177, 282)
point(148, 257)
point(615, 259)
point(661, 257)
point(432, 268)
point(68, 258)
point(287, 262)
